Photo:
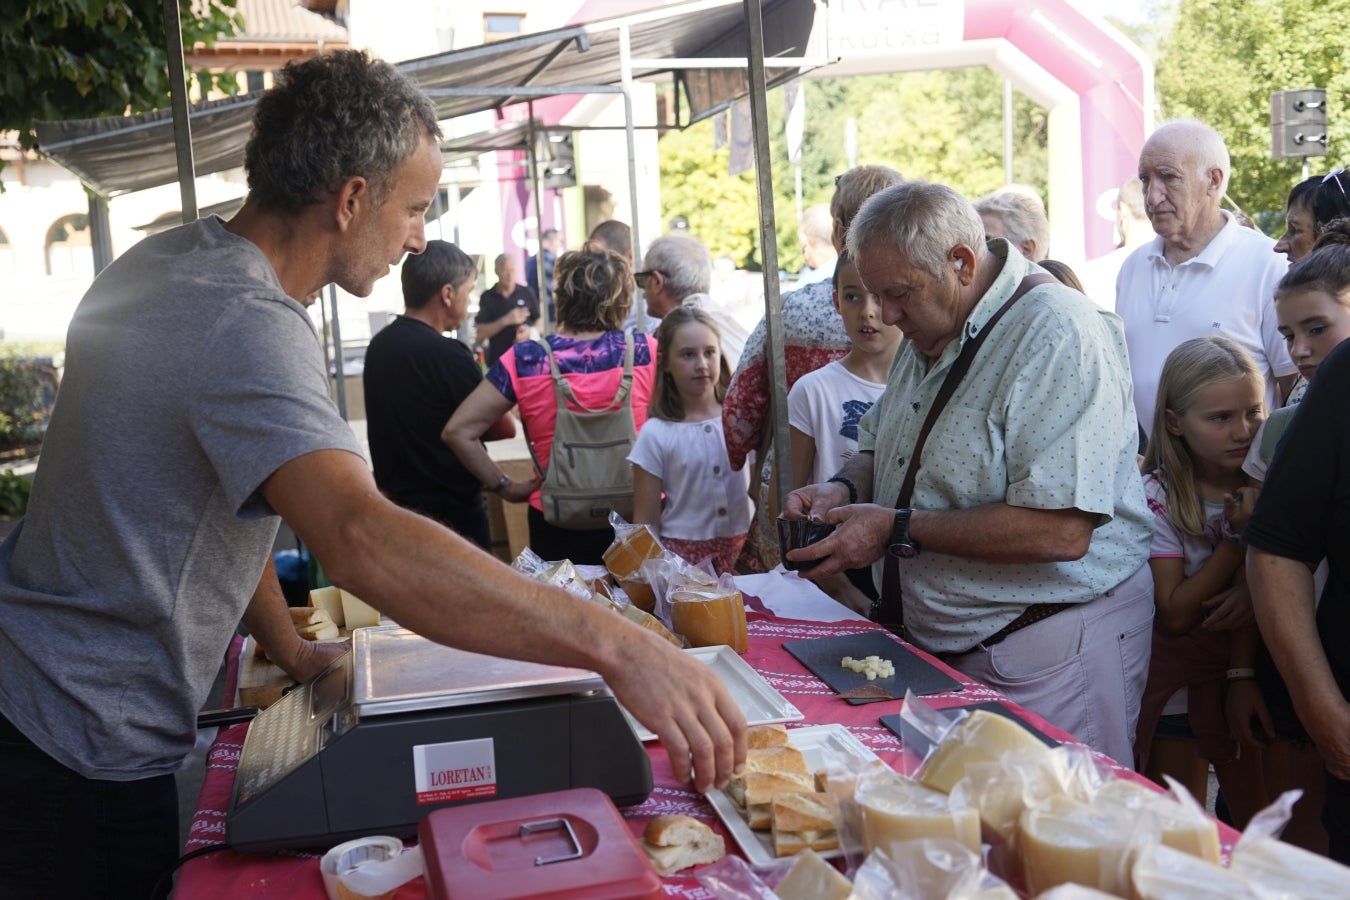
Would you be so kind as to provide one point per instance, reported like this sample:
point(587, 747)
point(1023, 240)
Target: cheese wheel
point(980, 737)
point(624, 557)
point(1162, 873)
point(901, 809)
point(1181, 829)
point(1064, 841)
point(708, 617)
point(1277, 866)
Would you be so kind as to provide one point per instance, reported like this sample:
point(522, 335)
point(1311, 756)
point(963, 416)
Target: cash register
point(401, 726)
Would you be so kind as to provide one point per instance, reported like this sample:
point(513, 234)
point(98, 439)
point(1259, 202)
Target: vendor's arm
point(463, 434)
point(271, 626)
point(516, 315)
point(443, 587)
point(1283, 594)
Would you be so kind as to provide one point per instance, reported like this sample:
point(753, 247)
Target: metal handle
point(530, 828)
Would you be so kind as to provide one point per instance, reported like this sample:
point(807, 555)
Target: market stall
point(784, 611)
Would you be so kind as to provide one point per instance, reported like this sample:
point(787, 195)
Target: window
point(69, 249)
point(497, 26)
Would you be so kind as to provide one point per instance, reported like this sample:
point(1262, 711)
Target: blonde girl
point(683, 483)
point(1210, 406)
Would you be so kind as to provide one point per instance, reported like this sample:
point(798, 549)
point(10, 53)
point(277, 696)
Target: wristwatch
point(501, 483)
point(902, 546)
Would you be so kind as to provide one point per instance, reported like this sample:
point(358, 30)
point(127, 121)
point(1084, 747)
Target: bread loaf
point(673, 843)
point(758, 737)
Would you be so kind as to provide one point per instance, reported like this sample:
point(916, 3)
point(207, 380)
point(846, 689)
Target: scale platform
point(401, 726)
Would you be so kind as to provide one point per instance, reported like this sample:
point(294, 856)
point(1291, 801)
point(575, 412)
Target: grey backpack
point(588, 471)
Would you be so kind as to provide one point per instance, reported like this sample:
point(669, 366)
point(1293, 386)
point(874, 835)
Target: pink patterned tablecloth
point(294, 875)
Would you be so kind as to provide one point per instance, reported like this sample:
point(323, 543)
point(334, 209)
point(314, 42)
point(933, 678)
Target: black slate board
point(921, 745)
point(912, 672)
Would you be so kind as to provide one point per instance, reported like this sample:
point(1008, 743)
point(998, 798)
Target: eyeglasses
point(837, 179)
point(1335, 176)
point(641, 277)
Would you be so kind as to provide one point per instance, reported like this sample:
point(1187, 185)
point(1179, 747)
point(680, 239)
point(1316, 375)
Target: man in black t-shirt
point(1302, 516)
point(415, 378)
point(506, 312)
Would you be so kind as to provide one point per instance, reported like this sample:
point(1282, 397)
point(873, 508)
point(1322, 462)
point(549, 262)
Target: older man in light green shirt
point(1021, 552)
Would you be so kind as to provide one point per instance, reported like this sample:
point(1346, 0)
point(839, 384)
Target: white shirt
point(827, 405)
point(1228, 289)
point(705, 497)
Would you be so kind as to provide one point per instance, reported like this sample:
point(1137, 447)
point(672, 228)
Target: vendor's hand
point(519, 491)
point(685, 705)
point(1238, 506)
point(815, 500)
point(1330, 731)
point(312, 657)
point(1248, 717)
point(1229, 609)
point(517, 316)
point(862, 532)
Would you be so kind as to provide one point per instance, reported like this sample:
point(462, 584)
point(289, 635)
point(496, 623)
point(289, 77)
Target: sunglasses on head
point(1335, 177)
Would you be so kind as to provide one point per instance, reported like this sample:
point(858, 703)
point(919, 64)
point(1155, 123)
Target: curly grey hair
point(685, 262)
point(333, 117)
point(923, 219)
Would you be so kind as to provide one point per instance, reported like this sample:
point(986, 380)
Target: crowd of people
point(1111, 511)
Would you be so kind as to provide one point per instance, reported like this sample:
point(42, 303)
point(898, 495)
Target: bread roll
point(673, 843)
point(758, 737)
point(802, 812)
point(780, 760)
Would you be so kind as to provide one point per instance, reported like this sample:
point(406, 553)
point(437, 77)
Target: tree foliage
point(942, 126)
point(70, 59)
point(1221, 60)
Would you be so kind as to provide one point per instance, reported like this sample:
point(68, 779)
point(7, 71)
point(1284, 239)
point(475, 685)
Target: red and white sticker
point(461, 770)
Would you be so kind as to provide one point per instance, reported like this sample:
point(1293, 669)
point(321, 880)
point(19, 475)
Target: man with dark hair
point(195, 415)
point(550, 245)
point(505, 311)
point(415, 378)
point(614, 235)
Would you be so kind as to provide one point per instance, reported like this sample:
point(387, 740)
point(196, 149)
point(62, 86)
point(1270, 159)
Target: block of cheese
point(709, 616)
point(979, 737)
point(1181, 829)
point(1064, 840)
point(329, 599)
point(812, 878)
point(631, 546)
point(357, 613)
point(1162, 873)
point(1075, 892)
point(639, 592)
point(1277, 866)
point(901, 809)
point(650, 622)
point(1001, 791)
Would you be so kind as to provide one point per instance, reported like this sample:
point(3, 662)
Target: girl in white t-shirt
point(681, 451)
point(824, 406)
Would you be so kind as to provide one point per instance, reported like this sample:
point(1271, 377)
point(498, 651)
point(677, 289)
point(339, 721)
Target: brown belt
point(1037, 612)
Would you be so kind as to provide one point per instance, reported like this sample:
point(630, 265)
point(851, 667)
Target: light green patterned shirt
point(1044, 419)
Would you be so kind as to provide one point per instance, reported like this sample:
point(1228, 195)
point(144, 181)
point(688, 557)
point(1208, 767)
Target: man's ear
point(352, 195)
point(1215, 176)
point(963, 261)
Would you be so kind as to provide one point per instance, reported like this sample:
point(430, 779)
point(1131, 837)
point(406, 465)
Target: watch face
point(903, 551)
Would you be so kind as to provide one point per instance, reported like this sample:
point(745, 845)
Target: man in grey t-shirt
point(194, 413)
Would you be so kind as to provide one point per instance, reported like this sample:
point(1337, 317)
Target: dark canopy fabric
point(120, 154)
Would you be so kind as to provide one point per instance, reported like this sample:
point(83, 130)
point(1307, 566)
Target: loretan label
point(462, 770)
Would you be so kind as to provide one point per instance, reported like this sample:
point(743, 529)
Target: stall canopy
point(695, 43)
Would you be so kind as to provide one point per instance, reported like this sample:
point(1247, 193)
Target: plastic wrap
point(899, 810)
point(1162, 873)
point(1283, 870)
point(1064, 840)
point(731, 878)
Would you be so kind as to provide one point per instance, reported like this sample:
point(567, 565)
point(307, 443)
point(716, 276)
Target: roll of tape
point(369, 867)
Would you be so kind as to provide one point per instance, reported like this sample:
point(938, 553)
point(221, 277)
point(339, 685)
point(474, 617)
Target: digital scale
point(401, 726)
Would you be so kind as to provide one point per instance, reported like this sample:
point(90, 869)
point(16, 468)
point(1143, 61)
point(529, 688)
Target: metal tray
point(758, 701)
point(398, 671)
point(815, 743)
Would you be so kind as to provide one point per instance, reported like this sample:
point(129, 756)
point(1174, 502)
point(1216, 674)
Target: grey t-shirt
point(190, 378)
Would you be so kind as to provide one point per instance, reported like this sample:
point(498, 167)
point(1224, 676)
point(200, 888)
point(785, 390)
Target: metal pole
point(545, 321)
point(768, 244)
point(1007, 131)
point(337, 354)
point(626, 74)
point(182, 127)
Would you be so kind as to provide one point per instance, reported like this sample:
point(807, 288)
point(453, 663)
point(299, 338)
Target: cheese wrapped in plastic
point(981, 737)
point(1064, 840)
point(1162, 873)
point(1282, 869)
point(1020, 779)
point(1075, 892)
point(923, 869)
point(898, 809)
point(709, 615)
point(632, 544)
point(1181, 823)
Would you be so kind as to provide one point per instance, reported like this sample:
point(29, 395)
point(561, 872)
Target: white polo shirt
point(1228, 289)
